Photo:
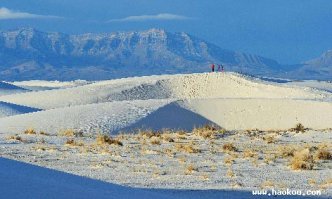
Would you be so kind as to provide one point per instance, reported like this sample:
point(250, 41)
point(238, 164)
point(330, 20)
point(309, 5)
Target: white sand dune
point(229, 100)
point(265, 114)
point(321, 85)
point(8, 109)
point(7, 89)
point(48, 85)
point(192, 86)
point(94, 118)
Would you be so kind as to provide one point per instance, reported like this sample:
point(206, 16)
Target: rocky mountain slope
point(31, 54)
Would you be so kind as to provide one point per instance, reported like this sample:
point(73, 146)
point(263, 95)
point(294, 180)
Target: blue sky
point(290, 31)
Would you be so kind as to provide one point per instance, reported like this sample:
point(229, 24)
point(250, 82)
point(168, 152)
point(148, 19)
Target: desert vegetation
point(200, 152)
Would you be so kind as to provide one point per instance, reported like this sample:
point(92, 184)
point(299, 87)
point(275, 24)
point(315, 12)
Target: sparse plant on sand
point(248, 153)
point(189, 148)
point(72, 142)
point(43, 133)
point(15, 137)
point(30, 131)
point(323, 154)
point(206, 132)
point(269, 139)
point(190, 169)
point(71, 133)
point(230, 173)
point(298, 128)
point(302, 160)
point(155, 141)
point(286, 151)
point(105, 139)
point(229, 147)
point(229, 160)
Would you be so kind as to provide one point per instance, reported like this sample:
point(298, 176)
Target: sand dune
point(94, 118)
point(229, 100)
point(235, 102)
point(7, 89)
point(193, 86)
point(8, 109)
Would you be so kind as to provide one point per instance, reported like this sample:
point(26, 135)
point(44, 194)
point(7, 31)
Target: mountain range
point(28, 53)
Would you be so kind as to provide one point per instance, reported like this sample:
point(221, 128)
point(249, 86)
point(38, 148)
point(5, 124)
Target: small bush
point(71, 133)
point(323, 154)
point(269, 139)
point(302, 160)
point(105, 139)
point(229, 147)
point(298, 128)
point(190, 169)
point(43, 133)
point(249, 154)
point(189, 148)
point(15, 137)
point(206, 132)
point(155, 141)
point(229, 160)
point(30, 131)
point(286, 151)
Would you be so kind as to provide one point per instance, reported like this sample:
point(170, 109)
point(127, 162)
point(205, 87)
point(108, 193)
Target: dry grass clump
point(190, 169)
point(148, 133)
point(249, 153)
point(167, 137)
point(326, 184)
point(269, 139)
point(30, 131)
point(105, 139)
point(323, 154)
point(229, 160)
point(72, 142)
point(286, 151)
point(298, 128)
point(302, 160)
point(229, 147)
point(155, 141)
point(43, 133)
point(206, 132)
point(189, 148)
point(15, 137)
point(230, 173)
point(71, 133)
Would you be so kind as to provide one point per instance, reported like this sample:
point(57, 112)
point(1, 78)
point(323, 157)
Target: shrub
point(72, 142)
point(30, 131)
point(15, 137)
point(105, 139)
point(286, 151)
point(189, 148)
point(71, 133)
point(298, 128)
point(229, 147)
point(43, 133)
point(323, 154)
point(206, 132)
point(249, 153)
point(190, 169)
point(302, 160)
point(269, 139)
point(155, 141)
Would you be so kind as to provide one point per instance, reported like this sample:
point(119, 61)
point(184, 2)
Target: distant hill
point(319, 68)
point(31, 54)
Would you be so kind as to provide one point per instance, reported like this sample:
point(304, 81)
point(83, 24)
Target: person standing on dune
point(212, 67)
